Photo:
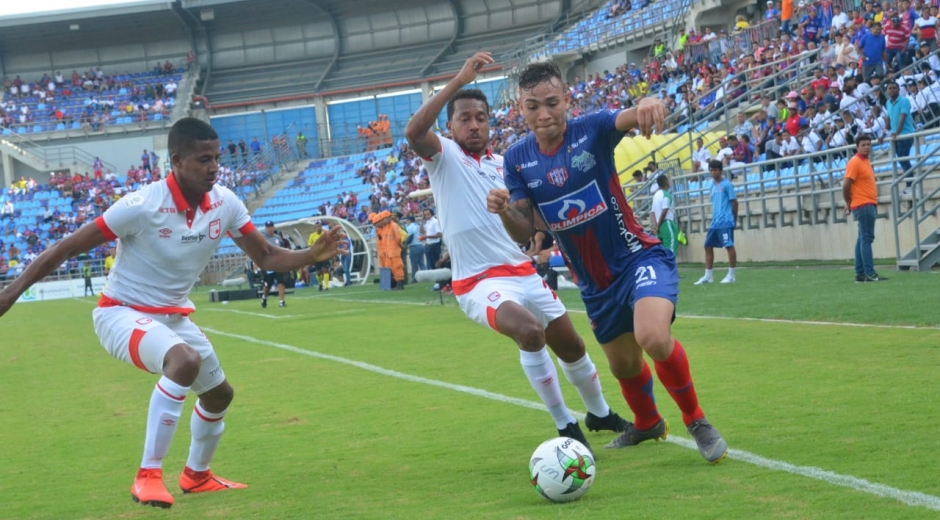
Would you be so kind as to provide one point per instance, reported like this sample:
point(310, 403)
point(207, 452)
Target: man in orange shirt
point(786, 15)
point(861, 198)
point(388, 241)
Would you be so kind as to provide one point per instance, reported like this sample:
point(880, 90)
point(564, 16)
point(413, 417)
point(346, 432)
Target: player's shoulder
point(519, 144)
point(588, 122)
point(223, 193)
point(150, 194)
point(519, 148)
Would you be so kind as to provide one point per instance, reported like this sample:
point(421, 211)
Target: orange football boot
point(148, 489)
point(204, 482)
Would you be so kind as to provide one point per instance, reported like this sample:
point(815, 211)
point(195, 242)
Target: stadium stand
point(88, 100)
point(603, 25)
point(708, 78)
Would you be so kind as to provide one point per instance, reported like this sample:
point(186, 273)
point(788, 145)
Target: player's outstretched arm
point(419, 131)
point(85, 239)
point(649, 116)
point(517, 215)
point(280, 260)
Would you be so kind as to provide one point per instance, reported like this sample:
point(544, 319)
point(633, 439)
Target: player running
point(495, 283)
point(167, 232)
point(628, 281)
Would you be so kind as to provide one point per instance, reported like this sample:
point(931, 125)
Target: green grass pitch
point(361, 404)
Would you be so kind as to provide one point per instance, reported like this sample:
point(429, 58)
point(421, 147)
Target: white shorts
point(531, 292)
point(144, 339)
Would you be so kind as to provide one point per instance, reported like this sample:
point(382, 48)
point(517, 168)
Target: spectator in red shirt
point(819, 81)
point(897, 35)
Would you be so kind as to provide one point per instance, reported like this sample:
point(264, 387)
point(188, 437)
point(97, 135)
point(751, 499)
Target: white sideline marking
point(685, 316)
point(255, 314)
point(911, 498)
point(808, 322)
point(327, 294)
point(699, 317)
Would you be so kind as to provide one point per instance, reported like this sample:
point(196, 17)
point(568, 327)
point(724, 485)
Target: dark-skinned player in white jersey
point(495, 283)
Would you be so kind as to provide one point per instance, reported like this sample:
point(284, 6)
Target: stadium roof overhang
point(129, 7)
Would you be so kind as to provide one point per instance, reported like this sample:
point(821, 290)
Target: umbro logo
point(165, 232)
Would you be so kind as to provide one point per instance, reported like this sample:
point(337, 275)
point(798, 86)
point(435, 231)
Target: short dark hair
point(538, 72)
point(862, 137)
point(662, 180)
point(470, 93)
point(637, 173)
point(185, 132)
point(715, 164)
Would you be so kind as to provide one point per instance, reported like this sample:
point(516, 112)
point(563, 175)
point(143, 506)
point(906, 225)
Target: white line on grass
point(698, 317)
point(255, 314)
point(912, 498)
point(686, 316)
point(808, 322)
point(327, 294)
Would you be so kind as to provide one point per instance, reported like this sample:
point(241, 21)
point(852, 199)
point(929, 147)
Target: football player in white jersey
point(167, 233)
point(495, 283)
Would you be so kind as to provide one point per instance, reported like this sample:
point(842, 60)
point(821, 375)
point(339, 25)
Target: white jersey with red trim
point(476, 238)
point(164, 245)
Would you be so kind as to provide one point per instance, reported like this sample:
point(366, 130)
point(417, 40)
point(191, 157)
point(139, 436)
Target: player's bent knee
point(529, 336)
point(219, 398)
point(564, 340)
point(182, 364)
point(657, 343)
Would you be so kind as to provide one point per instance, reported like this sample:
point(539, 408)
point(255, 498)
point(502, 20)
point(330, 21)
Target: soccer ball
point(562, 469)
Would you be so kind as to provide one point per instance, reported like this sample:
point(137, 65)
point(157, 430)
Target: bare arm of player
point(734, 211)
point(648, 115)
point(281, 260)
point(419, 131)
point(85, 239)
point(517, 216)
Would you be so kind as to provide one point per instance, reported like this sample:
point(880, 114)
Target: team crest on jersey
point(215, 229)
point(574, 209)
point(583, 161)
point(558, 177)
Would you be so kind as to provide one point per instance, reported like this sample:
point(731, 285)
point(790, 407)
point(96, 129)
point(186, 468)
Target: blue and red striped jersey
point(577, 191)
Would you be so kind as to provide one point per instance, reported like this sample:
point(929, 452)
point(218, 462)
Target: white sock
point(166, 405)
point(708, 274)
point(207, 428)
point(543, 377)
point(583, 375)
point(731, 272)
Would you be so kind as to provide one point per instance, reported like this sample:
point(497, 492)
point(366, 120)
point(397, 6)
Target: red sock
point(638, 391)
point(674, 374)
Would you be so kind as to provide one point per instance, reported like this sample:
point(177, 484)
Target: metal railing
point(745, 41)
point(252, 174)
point(753, 86)
point(929, 118)
point(517, 58)
point(806, 190)
point(924, 204)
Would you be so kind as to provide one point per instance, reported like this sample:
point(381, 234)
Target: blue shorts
point(720, 237)
point(652, 273)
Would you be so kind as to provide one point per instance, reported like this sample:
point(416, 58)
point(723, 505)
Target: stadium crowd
point(91, 98)
point(87, 196)
point(853, 59)
point(855, 56)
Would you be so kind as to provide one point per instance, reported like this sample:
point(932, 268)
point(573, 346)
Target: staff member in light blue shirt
point(900, 123)
point(415, 247)
point(724, 220)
